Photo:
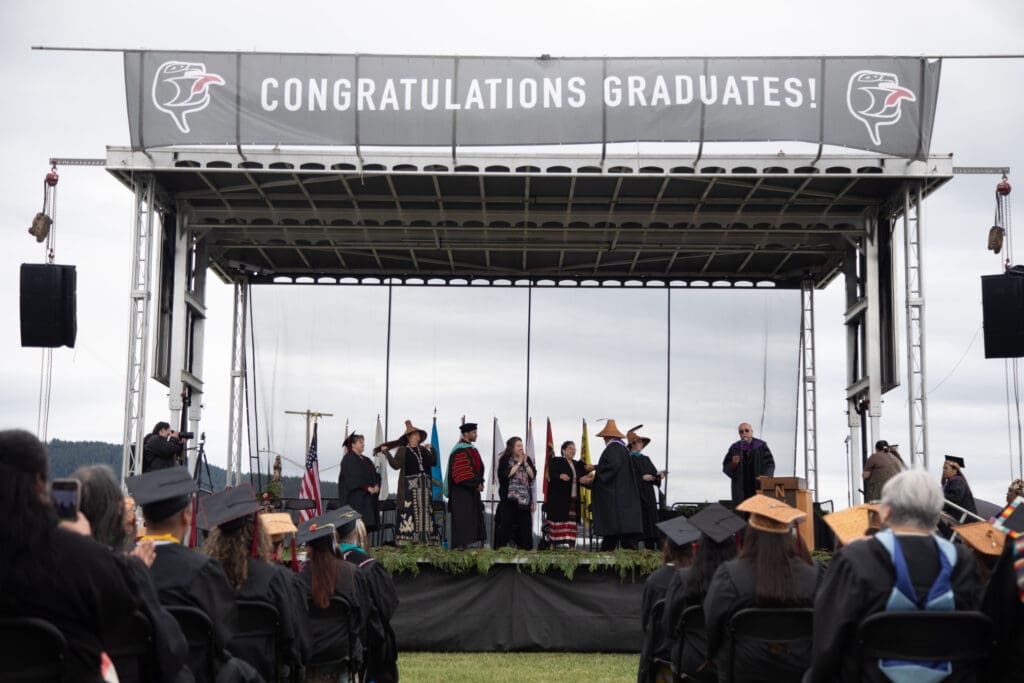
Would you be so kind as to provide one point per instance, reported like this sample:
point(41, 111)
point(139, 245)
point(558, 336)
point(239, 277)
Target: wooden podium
point(793, 491)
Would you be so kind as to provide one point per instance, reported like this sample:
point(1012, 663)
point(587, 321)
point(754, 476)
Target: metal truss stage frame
point(530, 218)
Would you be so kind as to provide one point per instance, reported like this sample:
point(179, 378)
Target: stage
point(513, 608)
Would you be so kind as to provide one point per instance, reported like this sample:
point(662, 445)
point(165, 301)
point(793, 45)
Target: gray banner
point(884, 105)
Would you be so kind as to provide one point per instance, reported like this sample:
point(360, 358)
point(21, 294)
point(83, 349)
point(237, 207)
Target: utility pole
point(309, 415)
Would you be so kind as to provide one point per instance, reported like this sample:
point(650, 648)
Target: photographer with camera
point(164, 448)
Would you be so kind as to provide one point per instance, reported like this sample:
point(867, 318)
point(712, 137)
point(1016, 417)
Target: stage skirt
point(415, 519)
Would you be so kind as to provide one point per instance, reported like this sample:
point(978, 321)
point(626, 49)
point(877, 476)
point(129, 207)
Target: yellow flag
point(585, 515)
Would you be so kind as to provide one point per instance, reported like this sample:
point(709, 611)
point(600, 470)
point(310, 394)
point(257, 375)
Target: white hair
point(914, 499)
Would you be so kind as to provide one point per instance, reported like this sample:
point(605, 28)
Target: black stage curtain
point(507, 610)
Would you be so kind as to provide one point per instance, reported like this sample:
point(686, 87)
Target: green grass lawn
point(516, 667)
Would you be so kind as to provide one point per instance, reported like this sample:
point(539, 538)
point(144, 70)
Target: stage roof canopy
point(550, 219)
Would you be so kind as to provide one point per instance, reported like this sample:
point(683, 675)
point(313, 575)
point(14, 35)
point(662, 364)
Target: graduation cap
point(468, 427)
point(1011, 519)
point(229, 509)
point(983, 537)
point(161, 493)
point(278, 523)
point(770, 514)
point(313, 529)
point(959, 462)
point(679, 531)
point(849, 524)
point(718, 522)
point(344, 519)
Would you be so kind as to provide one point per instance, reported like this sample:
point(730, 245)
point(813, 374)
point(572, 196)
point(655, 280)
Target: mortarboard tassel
point(295, 556)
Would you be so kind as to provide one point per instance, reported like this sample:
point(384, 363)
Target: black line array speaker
point(1002, 302)
point(48, 305)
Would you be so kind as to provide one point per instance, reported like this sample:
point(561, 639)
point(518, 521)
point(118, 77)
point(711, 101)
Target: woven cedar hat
point(769, 514)
point(409, 429)
point(983, 537)
point(278, 523)
point(611, 430)
point(850, 523)
point(632, 436)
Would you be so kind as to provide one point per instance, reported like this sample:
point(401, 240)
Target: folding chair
point(31, 650)
point(131, 650)
point(774, 625)
point(258, 640)
point(691, 627)
point(963, 638)
point(198, 632)
point(347, 651)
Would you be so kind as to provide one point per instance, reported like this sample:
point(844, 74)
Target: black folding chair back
point(691, 626)
point(774, 625)
point(258, 640)
point(341, 619)
point(924, 636)
point(198, 632)
point(31, 650)
point(132, 652)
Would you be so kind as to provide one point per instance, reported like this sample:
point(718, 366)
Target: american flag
point(310, 488)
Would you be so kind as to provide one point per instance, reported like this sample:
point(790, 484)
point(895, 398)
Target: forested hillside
point(67, 456)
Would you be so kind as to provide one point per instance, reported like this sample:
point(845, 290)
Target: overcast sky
point(594, 355)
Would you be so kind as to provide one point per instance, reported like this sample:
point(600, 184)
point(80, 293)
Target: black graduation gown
point(381, 647)
point(858, 583)
point(80, 589)
point(958, 491)
point(187, 577)
point(1003, 606)
point(731, 590)
point(689, 651)
point(559, 498)
point(653, 646)
point(756, 462)
point(647, 491)
point(615, 503)
point(465, 475)
point(352, 586)
point(169, 645)
point(278, 586)
point(357, 473)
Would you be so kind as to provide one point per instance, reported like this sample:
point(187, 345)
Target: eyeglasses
point(746, 431)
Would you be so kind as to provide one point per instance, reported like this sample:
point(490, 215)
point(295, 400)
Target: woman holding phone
point(516, 475)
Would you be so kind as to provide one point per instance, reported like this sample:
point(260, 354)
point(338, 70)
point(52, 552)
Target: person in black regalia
point(716, 545)
point(872, 575)
point(242, 546)
point(616, 504)
point(771, 571)
point(676, 555)
point(465, 484)
point(324, 576)
point(54, 573)
point(381, 647)
point(359, 481)
point(413, 459)
point(955, 487)
point(746, 460)
point(562, 504)
point(103, 504)
point(183, 576)
point(1003, 600)
point(648, 479)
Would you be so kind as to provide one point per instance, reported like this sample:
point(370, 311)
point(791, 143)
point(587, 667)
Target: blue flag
point(435, 472)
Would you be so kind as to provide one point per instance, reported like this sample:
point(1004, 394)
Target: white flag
point(381, 461)
point(496, 449)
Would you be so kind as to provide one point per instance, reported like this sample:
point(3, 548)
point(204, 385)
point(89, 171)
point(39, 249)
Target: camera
point(186, 435)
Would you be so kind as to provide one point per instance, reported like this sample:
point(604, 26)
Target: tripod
point(202, 466)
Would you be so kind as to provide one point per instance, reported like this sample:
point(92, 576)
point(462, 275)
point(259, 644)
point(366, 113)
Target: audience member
point(771, 571)
point(906, 566)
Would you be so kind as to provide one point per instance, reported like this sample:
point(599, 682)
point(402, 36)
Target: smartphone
point(64, 493)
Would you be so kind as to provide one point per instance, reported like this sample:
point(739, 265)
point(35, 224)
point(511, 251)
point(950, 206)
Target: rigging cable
point(255, 400)
point(46, 366)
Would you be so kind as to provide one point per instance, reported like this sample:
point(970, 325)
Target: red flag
point(310, 488)
point(547, 460)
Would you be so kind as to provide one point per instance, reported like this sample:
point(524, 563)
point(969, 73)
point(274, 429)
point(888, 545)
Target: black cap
point(161, 493)
point(228, 509)
point(344, 519)
point(679, 531)
point(315, 528)
point(958, 461)
point(881, 445)
point(718, 522)
point(1011, 519)
point(467, 427)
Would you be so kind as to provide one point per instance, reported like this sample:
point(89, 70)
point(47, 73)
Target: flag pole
point(668, 381)
point(387, 368)
point(529, 324)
